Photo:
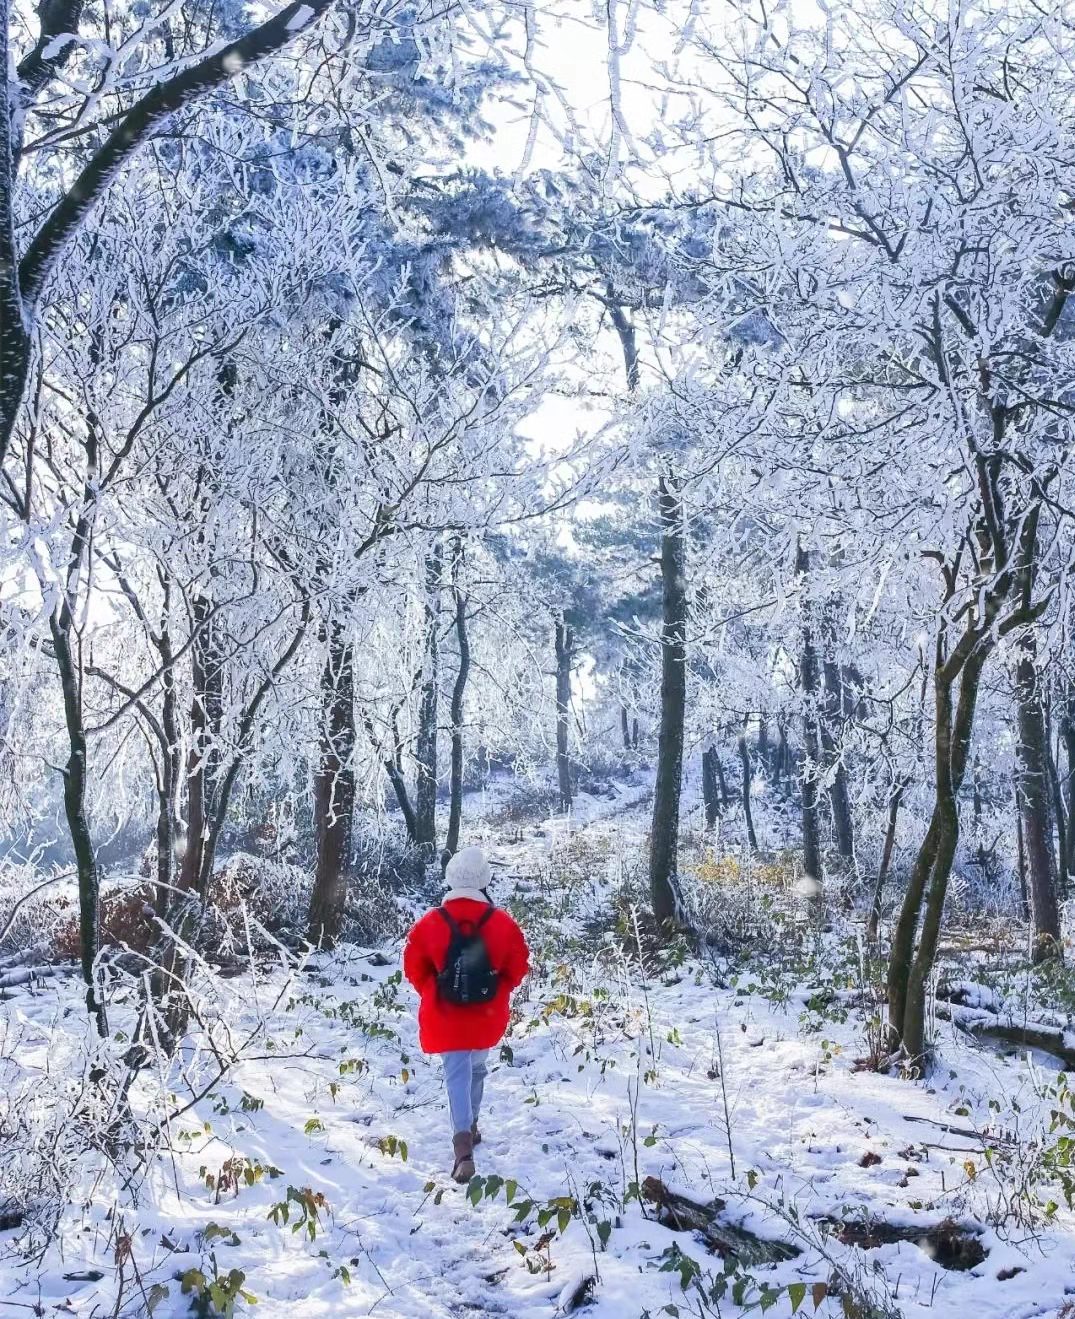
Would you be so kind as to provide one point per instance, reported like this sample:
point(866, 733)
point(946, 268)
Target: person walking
point(465, 958)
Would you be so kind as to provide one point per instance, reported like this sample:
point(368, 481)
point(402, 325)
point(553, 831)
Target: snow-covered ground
point(338, 1202)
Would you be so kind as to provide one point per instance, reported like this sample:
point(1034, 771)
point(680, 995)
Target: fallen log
point(946, 1243)
point(682, 1214)
point(25, 975)
point(37, 952)
point(1009, 1030)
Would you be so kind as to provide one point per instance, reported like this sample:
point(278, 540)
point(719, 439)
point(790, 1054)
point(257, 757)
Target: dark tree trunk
point(710, 792)
point(203, 758)
point(334, 789)
point(874, 924)
point(74, 801)
point(722, 782)
point(1020, 854)
point(808, 681)
point(564, 642)
point(15, 342)
point(393, 766)
point(425, 790)
point(1061, 822)
point(455, 810)
point(909, 971)
point(783, 755)
point(62, 630)
point(664, 836)
point(764, 749)
point(625, 728)
point(1067, 734)
point(1035, 795)
point(171, 768)
point(1001, 604)
point(1057, 794)
point(14, 357)
point(748, 814)
point(634, 733)
point(831, 729)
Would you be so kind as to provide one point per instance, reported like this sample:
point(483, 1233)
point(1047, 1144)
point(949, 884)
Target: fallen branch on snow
point(946, 1243)
point(682, 1214)
point(25, 975)
point(1010, 1030)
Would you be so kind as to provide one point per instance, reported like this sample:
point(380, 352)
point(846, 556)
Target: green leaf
point(510, 1187)
point(193, 1279)
point(563, 1219)
point(157, 1293)
point(475, 1190)
point(796, 1295)
point(604, 1231)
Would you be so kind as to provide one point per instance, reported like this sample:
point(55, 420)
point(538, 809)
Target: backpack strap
point(453, 924)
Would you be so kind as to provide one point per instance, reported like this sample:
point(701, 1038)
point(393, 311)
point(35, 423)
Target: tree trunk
point(831, 728)
point(664, 836)
point(1059, 814)
point(425, 790)
point(808, 681)
point(1035, 795)
point(909, 970)
point(625, 728)
point(710, 794)
point(74, 801)
point(15, 343)
point(764, 750)
point(203, 757)
point(564, 642)
point(1067, 733)
point(783, 755)
point(393, 766)
point(14, 350)
point(722, 783)
point(748, 815)
point(874, 925)
point(171, 766)
point(455, 810)
point(1020, 856)
point(334, 789)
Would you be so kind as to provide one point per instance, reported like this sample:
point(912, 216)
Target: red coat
point(444, 1027)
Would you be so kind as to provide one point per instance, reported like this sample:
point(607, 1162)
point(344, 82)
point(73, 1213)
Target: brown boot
point(476, 1134)
point(463, 1145)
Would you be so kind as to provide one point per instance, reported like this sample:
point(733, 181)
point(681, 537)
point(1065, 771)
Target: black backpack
point(468, 977)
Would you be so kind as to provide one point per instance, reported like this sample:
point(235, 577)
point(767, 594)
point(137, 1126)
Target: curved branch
point(137, 124)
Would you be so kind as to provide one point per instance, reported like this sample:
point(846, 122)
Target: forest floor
point(318, 1171)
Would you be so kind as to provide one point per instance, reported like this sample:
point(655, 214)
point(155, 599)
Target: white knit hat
point(467, 869)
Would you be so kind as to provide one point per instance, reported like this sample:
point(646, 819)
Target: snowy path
point(608, 1080)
